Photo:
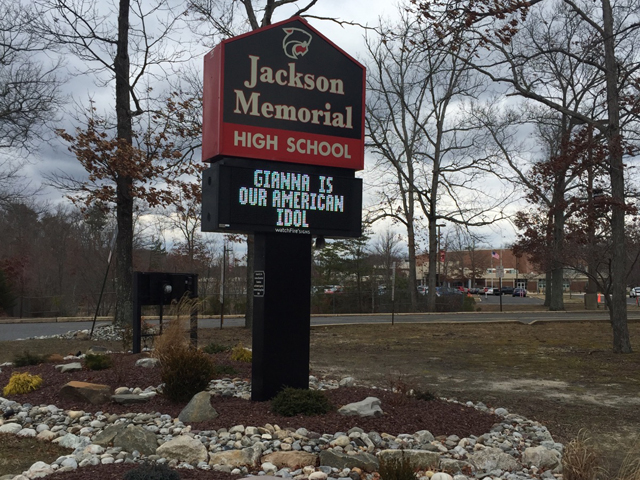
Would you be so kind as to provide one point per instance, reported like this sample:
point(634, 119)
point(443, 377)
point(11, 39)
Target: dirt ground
point(561, 374)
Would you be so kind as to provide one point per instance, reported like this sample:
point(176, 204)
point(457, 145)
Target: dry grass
point(581, 459)
point(174, 336)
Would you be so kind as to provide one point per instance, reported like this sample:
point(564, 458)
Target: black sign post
point(281, 323)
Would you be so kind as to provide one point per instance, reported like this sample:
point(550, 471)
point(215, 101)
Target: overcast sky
point(82, 87)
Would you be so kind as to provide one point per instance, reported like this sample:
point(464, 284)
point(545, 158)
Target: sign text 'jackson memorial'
point(283, 129)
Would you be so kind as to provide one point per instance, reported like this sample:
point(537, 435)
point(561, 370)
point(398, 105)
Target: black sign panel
point(253, 196)
point(291, 78)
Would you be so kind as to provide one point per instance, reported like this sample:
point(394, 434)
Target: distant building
point(480, 268)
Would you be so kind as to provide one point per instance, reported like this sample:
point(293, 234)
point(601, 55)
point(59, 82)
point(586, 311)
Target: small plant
point(26, 359)
point(20, 383)
point(397, 469)
point(241, 354)
point(300, 401)
point(580, 459)
point(152, 471)
point(214, 348)
point(221, 370)
point(97, 362)
point(424, 395)
point(185, 371)
point(468, 304)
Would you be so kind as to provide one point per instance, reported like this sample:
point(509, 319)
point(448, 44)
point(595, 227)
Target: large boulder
point(369, 407)
point(292, 459)
point(541, 457)
point(184, 449)
point(106, 436)
point(493, 459)
point(136, 438)
point(198, 409)
point(339, 460)
point(93, 393)
point(247, 457)
point(148, 362)
point(420, 459)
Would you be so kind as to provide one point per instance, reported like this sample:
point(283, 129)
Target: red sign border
point(215, 130)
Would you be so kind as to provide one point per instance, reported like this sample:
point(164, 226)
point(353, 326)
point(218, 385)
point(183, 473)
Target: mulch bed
point(401, 414)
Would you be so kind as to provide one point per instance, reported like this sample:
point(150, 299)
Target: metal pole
point(104, 283)
point(223, 269)
point(393, 293)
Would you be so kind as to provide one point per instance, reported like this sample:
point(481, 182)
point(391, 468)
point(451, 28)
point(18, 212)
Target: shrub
point(241, 354)
point(152, 471)
point(424, 395)
point(214, 348)
point(468, 304)
point(396, 469)
point(185, 371)
point(97, 362)
point(22, 383)
point(26, 358)
point(220, 370)
point(296, 401)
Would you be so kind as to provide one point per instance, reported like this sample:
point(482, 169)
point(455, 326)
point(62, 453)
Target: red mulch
point(401, 414)
point(117, 472)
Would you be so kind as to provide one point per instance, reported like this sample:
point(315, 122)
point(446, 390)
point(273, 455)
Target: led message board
point(284, 93)
point(259, 196)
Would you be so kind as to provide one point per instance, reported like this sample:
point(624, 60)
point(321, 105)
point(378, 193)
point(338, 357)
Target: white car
point(634, 292)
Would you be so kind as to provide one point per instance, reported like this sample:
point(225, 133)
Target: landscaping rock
point(129, 398)
point(493, 459)
point(105, 437)
point(292, 460)
point(93, 393)
point(148, 362)
point(11, 428)
point(183, 449)
point(369, 407)
point(541, 457)
point(339, 460)
point(198, 409)
point(247, 457)
point(136, 438)
point(69, 367)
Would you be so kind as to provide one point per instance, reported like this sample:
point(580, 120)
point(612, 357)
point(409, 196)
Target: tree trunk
point(556, 299)
point(124, 199)
point(618, 311)
point(547, 288)
point(433, 245)
point(413, 281)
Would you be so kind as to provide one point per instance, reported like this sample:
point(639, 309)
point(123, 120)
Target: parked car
point(423, 289)
point(634, 292)
point(506, 291)
point(519, 292)
point(334, 289)
point(494, 291)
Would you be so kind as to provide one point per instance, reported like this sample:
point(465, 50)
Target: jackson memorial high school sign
point(283, 129)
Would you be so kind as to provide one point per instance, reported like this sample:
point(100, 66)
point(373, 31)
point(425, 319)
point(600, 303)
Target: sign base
point(281, 314)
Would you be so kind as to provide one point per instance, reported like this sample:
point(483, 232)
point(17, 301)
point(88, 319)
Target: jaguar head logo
point(296, 42)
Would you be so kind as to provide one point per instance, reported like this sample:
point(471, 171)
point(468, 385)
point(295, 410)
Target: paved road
point(16, 331)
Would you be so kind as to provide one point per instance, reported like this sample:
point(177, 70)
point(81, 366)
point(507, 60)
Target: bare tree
point(612, 39)
point(125, 52)
point(429, 153)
